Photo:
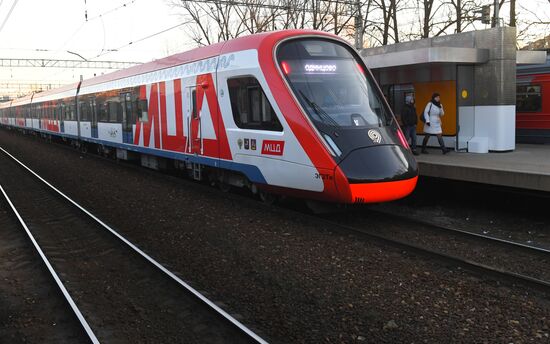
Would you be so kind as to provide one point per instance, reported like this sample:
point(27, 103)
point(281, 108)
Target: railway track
point(466, 233)
point(39, 303)
point(117, 291)
point(530, 270)
point(507, 260)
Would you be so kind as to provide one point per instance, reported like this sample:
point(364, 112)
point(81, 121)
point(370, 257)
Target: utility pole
point(358, 26)
point(314, 11)
point(458, 16)
point(496, 14)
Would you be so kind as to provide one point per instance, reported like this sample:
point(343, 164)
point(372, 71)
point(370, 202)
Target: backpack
point(422, 118)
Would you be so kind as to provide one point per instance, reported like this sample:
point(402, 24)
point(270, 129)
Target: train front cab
point(337, 94)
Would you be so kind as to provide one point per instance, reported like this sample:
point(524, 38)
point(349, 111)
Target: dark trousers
point(410, 135)
point(439, 139)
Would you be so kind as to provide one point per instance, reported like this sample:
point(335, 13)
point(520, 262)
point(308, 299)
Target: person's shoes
point(446, 150)
point(425, 151)
point(415, 152)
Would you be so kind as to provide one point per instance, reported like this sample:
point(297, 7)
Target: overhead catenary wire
point(127, 45)
point(92, 19)
point(9, 15)
point(142, 39)
point(87, 20)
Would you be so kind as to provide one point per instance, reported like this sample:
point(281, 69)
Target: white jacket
point(432, 114)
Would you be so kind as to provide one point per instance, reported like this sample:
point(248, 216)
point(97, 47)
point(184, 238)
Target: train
point(285, 113)
point(532, 105)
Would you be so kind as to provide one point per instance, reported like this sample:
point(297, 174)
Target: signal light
point(285, 67)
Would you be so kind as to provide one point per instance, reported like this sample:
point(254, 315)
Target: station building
point(475, 73)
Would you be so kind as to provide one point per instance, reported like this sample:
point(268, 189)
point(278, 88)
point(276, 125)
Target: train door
point(93, 109)
point(194, 127)
point(126, 103)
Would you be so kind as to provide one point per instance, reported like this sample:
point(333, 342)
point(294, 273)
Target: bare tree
point(217, 20)
point(428, 16)
point(513, 13)
point(387, 9)
point(529, 29)
point(377, 22)
point(461, 10)
point(211, 21)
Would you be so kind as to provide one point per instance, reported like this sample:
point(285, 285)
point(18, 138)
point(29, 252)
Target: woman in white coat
point(432, 126)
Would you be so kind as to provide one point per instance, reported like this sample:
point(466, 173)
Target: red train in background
point(533, 103)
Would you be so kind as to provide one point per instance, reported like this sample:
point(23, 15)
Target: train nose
point(382, 163)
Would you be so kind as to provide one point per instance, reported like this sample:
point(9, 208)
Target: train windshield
point(331, 84)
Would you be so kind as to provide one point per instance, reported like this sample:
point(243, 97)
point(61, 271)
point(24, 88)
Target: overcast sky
point(50, 28)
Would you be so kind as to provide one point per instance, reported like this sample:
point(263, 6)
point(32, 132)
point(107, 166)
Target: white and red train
point(289, 112)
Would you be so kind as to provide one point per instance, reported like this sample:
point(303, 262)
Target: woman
point(432, 116)
point(409, 118)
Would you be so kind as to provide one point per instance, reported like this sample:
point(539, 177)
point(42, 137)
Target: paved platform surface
point(527, 167)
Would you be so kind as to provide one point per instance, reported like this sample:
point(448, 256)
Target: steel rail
point(465, 232)
point(55, 276)
point(499, 273)
point(205, 300)
point(545, 285)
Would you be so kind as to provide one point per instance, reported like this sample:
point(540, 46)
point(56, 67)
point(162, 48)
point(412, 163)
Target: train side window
point(194, 103)
point(66, 107)
point(71, 112)
point(61, 111)
point(85, 111)
point(101, 109)
point(528, 98)
point(250, 106)
point(141, 108)
point(115, 110)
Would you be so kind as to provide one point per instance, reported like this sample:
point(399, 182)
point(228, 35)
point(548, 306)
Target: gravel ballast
point(32, 307)
point(288, 278)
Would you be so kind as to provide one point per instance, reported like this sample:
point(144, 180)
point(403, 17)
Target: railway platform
point(527, 167)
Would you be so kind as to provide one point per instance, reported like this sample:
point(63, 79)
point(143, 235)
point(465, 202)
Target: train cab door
point(194, 127)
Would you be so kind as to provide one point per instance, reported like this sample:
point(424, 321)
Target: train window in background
point(85, 111)
point(101, 108)
point(127, 110)
point(115, 109)
point(53, 110)
point(250, 106)
point(61, 110)
point(194, 111)
point(93, 107)
point(141, 107)
point(528, 98)
point(70, 111)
